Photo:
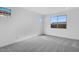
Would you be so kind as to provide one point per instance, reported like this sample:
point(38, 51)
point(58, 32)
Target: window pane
point(58, 21)
point(54, 21)
point(62, 18)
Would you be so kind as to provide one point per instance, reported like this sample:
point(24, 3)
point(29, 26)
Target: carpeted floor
point(43, 43)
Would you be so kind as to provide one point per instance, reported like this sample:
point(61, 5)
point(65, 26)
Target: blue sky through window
point(54, 19)
point(62, 18)
point(58, 19)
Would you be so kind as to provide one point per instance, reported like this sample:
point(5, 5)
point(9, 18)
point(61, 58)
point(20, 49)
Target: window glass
point(58, 21)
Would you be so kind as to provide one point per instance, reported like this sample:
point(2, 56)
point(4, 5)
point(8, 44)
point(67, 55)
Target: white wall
point(72, 30)
point(21, 24)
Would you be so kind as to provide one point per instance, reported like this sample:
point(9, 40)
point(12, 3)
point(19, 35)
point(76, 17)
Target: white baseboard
point(21, 39)
point(27, 37)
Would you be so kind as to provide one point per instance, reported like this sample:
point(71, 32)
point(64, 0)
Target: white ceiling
point(48, 10)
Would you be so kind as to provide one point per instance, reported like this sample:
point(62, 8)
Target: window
point(58, 21)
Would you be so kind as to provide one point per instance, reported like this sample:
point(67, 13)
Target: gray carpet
point(43, 43)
